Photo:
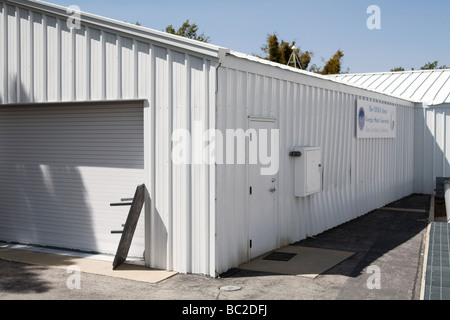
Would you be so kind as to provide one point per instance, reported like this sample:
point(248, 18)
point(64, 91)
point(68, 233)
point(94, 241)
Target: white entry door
point(262, 192)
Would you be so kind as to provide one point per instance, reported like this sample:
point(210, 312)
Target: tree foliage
point(284, 52)
point(433, 65)
point(428, 66)
point(189, 31)
point(333, 66)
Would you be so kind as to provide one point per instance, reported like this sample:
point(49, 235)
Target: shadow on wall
point(433, 148)
point(55, 175)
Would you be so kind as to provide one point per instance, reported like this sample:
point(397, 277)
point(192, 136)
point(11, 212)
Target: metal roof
point(429, 86)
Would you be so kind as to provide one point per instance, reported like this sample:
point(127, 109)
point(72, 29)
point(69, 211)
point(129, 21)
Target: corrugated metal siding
point(62, 166)
point(42, 60)
point(359, 174)
point(432, 146)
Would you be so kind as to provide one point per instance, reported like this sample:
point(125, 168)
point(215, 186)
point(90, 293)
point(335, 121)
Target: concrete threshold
point(90, 263)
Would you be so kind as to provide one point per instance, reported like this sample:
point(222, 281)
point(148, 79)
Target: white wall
point(432, 152)
point(359, 174)
point(42, 60)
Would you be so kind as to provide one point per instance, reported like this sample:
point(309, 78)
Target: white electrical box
point(307, 171)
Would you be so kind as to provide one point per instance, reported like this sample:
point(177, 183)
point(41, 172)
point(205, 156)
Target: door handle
point(273, 189)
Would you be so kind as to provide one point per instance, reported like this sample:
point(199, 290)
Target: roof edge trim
point(122, 27)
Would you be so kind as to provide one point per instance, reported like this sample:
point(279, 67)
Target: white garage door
point(62, 166)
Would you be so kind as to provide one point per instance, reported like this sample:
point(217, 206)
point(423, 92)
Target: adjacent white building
point(88, 113)
point(430, 91)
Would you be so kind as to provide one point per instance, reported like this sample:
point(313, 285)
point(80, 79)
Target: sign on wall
point(375, 120)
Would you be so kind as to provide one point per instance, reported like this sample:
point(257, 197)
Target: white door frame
point(275, 213)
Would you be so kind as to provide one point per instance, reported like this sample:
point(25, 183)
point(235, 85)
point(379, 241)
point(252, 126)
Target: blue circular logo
point(361, 119)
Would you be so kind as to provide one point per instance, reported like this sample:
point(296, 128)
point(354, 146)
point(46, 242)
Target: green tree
point(189, 31)
point(398, 69)
point(432, 66)
point(273, 48)
point(333, 66)
point(282, 52)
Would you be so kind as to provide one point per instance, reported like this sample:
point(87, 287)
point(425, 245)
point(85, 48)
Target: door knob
point(273, 189)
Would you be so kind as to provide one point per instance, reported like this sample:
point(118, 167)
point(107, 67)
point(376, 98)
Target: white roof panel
point(412, 87)
point(443, 95)
point(430, 86)
point(378, 82)
point(427, 86)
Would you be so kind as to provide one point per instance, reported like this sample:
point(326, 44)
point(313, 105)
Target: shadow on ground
point(21, 278)
point(370, 236)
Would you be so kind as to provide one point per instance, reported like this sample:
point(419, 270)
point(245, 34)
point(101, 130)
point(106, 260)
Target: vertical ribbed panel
point(3, 54)
point(359, 175)
point(432, 146)
point(42, 60)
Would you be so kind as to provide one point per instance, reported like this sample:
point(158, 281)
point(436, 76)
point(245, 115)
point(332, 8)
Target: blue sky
point(413, 32)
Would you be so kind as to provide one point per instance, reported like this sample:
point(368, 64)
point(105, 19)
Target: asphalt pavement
point(389, 245)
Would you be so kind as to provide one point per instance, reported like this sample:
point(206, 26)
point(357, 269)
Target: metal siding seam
point(103, 64)
point(169, 257)
point(119, 67)
point(195, 234)
point(135, 69)
point(52, 71)
point(59, 60)
point(231, 173)
point(38, 79)
point(212, 174)
point(284, 204)
point(225, 224)
point(12, 54)
point(89, 64)
point(327, 141)
point(440, 141)
point(166, 163)
point(74, 76)
point(206, 217)
point(149, 140)
point(234, 112)
point(19, 56)
point(343, 161)
point(447, 144)
point(4, 34)
point(182, 189)
point(188, 227)
point(32, 57)
point(203, 240)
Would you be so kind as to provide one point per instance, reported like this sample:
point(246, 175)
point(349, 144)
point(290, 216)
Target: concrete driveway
point(388, 246)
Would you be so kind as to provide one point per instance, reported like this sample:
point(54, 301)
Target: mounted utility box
point(308, 171)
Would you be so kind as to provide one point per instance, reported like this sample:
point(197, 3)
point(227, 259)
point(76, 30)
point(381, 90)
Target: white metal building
point(430, 90)
point(88, 113)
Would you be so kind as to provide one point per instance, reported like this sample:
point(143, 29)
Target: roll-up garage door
point(61, 166)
